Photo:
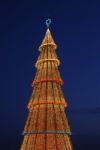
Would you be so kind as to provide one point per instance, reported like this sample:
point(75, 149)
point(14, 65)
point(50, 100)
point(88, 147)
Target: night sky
point(76, 30)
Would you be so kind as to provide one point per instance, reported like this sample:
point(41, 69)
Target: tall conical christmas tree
point(47, 127)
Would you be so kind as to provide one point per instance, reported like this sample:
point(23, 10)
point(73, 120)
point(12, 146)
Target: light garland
point(47, 132)
point(47, 79)
point(44, 60)
point(49, 102)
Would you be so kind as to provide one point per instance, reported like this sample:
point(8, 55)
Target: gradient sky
point(76, 30)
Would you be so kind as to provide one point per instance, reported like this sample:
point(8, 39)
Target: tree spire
point(48, 39)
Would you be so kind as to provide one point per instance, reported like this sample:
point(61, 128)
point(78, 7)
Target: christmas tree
point(47, 126)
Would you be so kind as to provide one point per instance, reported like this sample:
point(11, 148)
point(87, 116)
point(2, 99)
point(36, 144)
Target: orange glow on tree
point(47, 126)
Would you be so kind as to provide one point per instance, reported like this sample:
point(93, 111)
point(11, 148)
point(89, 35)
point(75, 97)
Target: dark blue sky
point(76, 30)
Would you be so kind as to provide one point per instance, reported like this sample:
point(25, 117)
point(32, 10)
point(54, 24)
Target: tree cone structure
point(47, 127)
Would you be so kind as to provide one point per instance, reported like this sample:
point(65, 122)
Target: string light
point(47, 79)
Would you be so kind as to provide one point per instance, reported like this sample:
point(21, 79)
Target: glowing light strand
point(48, 132)
point(48, 79)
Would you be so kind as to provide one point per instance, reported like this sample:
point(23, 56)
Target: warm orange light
point(47, 126)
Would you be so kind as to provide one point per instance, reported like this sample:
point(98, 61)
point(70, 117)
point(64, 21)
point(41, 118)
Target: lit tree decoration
point(47, 126)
